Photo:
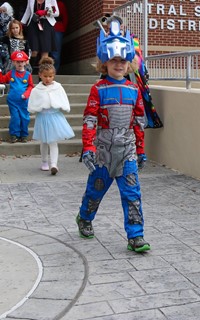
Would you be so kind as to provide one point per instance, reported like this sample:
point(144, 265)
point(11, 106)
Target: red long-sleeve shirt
point(7, 78)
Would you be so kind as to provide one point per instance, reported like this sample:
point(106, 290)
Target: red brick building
point(172, 26)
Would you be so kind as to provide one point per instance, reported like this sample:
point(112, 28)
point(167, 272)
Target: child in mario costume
point(113, 137)
point(21, 84)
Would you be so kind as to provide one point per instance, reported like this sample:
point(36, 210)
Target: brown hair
point(9, 32)
point(102, 67)
point(46, 63)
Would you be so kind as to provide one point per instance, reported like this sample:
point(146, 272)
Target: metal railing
point(181, 66)
point(134, 16)
point(2, 89)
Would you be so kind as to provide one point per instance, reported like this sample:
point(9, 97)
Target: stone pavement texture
point(47, 272)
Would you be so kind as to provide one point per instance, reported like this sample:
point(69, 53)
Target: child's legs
point(44, 151)
point(25, 119)
point(14, 125)
point(129, 188)
point(97, 185)
point(53, 154)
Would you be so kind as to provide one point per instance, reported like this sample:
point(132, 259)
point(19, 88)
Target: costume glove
point(142, 158)
point(41, 13)
point(89, 160)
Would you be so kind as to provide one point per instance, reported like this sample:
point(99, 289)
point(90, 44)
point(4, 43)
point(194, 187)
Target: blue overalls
point(19, 115)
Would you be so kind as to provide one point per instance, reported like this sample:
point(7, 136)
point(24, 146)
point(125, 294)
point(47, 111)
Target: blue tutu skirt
point(51, 126)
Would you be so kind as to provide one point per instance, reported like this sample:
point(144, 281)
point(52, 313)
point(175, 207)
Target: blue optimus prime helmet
point(114, 44)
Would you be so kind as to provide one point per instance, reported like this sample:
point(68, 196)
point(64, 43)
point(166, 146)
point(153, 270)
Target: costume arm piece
point(26, 94)
point(5, 78)
point(139, 123)
point(90, 121)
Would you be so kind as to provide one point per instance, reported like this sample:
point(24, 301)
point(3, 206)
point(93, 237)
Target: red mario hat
point(19, 56)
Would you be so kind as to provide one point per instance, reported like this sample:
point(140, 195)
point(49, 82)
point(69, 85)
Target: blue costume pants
point(19, 118)
point(19, 115)
point(98, 184)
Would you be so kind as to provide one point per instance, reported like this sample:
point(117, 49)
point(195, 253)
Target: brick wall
point(109, 6)
point(172, 25)
point(81, 14)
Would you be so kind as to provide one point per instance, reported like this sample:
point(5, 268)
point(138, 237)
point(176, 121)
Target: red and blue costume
point(21, 83)
point(113, 129)
point(113, 139)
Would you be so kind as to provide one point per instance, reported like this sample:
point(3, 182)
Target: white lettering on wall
point(137, 7)
point(160, 9)
point(149, 8)
point(153, 23)
point(170, 10)
point(182, 13)
point(191, 25)
point(181, 22)
point(162, 24)
point(172, 24)
point(197, 11)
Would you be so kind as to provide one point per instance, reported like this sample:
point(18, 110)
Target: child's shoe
point(24, 139)
point(138, 244)
point(44, 166)
point(54, 170)
point(85, 227)
point(14, 139)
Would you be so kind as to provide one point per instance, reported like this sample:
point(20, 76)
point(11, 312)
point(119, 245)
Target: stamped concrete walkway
point(47, 272)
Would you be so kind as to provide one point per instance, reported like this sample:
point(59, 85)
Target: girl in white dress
point(51, 126)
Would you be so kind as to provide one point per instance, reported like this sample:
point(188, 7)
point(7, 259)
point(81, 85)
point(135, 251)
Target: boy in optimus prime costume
point(113, 138)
